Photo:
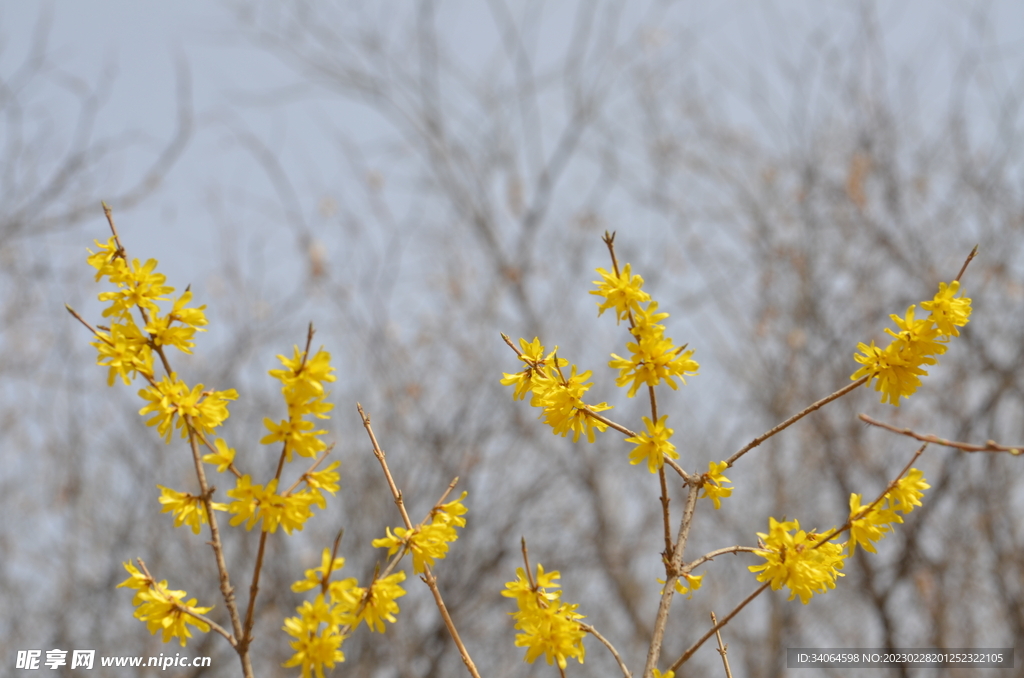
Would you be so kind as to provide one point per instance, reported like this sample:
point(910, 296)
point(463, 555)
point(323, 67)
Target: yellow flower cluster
point(653, 356)
point(161, 608)
point(693, 582)
point(289, 510)
point(868, 524)
point(302, 383)
point(427, 543)
point(896, 369)
point(187, 508)
point(798, 560)
point(322, 626)
point(125, 347)
point(172, 402)
point(714, 483)
point(547, 625)
point(652, 445)
point(807, 565)
point(561, 398)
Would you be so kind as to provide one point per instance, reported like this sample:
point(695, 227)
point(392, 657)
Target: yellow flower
point(896, 368)
point(621, 291)
point(653, 359)
point(324, 479)
point(304, 380)
point(288, 511)
point(713, 486)
point(125, 350)
point(188, 509)
point(908, 491)
point(868, 525)
point(948, 312)
point(378, 602)
point(314, 647)
point(547, 626)
point(427, 542)
point(172, 401)
point(653, 446)
point(317, 576)
point(162, 609)
point(302, 387)
point(247, 498)
point(564, 409)
point(693, 582)
point(524, 594)
point(553, 632)
point(139, 287)
point(180, 336)
point(451, 513)
point(795, 560)
point(224, 457)
point(895, 377)
point(536, 370)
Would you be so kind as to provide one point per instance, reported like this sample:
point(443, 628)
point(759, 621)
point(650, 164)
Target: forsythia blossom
point(714, 485)
point(652, 445)
point(621, 292)
point(547, 625)
point(693, 582)
point(256, 503)
point(188, 509)
point(172, 401)
point(797, 561)
point(653, 356)
point(125, 350)
point(560, 398)
point(302, 383)
point(163, 609)
point(896, 369)
point(427, 543)
point(869, 524)
point(377, 603)
point(315, 647)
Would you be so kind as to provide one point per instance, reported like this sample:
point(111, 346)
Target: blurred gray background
point(416, 177)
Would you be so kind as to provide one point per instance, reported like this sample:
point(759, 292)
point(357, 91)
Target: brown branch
point(611, 648)
point(714, 629)
point(722, 648)
point(963, 268)
point(226, 590)
point(673, 570)
point(795, 418)
point(989, 446)
point(428, 577)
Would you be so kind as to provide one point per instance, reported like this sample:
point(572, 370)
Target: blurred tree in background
point(777, 236)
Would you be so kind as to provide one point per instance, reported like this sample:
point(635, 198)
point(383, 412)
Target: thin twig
point(714, 629)
point(379, 453)
point(989, 446)
point(795, 418)
point(611, 424)
point(690, 567)
point(722, 648)
point(963, 268)
point(611, 648)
